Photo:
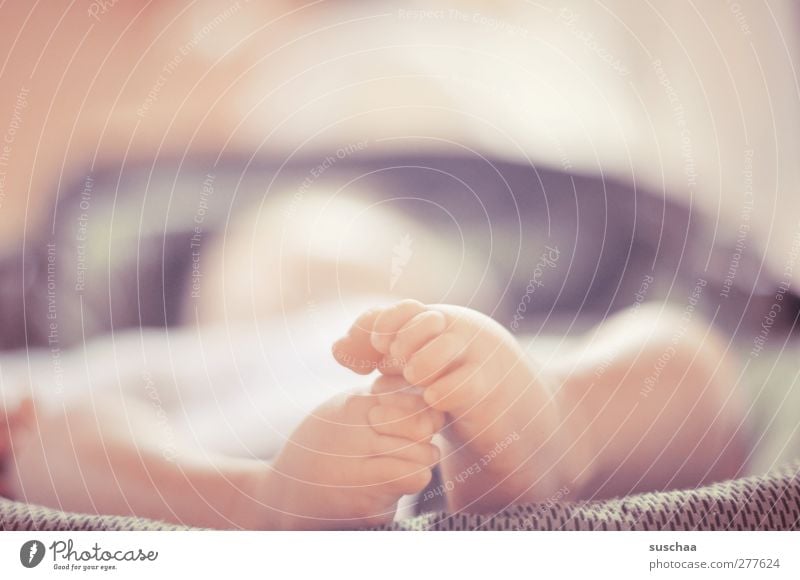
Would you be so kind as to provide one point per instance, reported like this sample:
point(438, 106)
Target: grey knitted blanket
point(768, 502)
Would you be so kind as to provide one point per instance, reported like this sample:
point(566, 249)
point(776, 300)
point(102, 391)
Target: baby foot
point(506, 437)
point(351, 460)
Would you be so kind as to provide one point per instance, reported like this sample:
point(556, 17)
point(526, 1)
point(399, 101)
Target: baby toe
point(354, 411)
point(389, 384)
point(421, 453)
point(410, 425)
point(355, 351)
point(434, 359)
point(416, 333)
point(408, 398)
point(392, 319)
point(398, 475)
point(461, 388)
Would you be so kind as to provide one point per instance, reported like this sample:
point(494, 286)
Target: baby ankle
point(582, 453)
point(257, 502)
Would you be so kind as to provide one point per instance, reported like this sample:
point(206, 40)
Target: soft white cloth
point(238, 390)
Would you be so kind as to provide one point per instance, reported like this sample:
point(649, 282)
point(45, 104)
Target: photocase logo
point(31, 553)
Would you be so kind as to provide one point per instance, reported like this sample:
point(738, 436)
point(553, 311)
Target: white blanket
point(234, 389)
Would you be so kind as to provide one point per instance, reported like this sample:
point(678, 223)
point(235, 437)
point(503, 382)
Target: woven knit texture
point(768, 502)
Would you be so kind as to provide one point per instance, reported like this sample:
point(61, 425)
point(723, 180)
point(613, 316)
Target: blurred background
point(655, 144)
point(699, 101)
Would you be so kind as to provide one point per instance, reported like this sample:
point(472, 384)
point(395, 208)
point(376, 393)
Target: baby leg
point(108, 456)
point(658, 393)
